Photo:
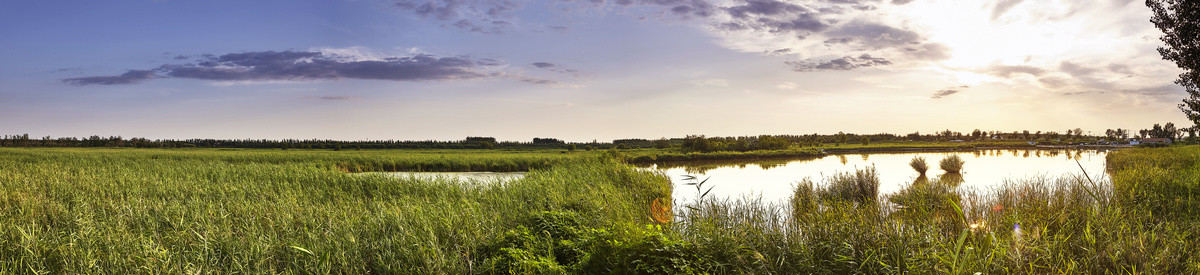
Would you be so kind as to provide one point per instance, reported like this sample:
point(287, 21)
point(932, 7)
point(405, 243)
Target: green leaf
point(301, 249)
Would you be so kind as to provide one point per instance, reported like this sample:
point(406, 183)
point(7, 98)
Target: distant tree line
point(691, 143)
point(117, 141)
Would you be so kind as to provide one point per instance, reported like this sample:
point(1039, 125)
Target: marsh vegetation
point(299, 211)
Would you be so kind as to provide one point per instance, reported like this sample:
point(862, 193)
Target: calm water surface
point(773, 180)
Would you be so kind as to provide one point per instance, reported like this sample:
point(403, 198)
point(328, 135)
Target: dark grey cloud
point(483, 16)
point(773, 16)
point(685, 9)
point(943, 93)
point(1120, 69)
point(289, 65)
point(555, 68)
point(778, 52)
point(1002, 7)
point(130, 77)
point(764, 8)
point(875, 35)
point(841, 64)
point(312, 65)
point(864, 7)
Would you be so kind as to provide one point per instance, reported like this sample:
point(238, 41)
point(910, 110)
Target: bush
point(918, 163)
point(952, 164)
point(860, 187)
point(925, 199)
point(804, 198)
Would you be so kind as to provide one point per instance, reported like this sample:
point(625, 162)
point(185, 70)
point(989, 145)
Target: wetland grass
point(258, 211)
point(918, 163)
point(952, 164)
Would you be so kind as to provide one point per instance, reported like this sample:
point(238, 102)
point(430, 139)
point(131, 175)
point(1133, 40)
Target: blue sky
point(577, 70)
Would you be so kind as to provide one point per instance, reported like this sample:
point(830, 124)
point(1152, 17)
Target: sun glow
point(977, 39)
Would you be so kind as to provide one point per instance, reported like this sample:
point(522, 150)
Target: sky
point(578, 70)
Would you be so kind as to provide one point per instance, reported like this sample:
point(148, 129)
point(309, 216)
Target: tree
point(662, 143)
point(1179, 21)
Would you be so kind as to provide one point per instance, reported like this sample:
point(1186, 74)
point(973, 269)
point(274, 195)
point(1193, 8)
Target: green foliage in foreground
point(159, 211)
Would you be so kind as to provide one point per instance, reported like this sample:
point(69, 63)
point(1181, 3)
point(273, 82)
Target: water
point(773, 180)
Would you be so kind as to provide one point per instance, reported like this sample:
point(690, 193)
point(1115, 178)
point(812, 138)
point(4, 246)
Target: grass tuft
point(918, 163)
point(952, 164)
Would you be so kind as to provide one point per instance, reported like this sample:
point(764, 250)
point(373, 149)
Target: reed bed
point(209, 211)
point(261, 211)
point(952, 164)
point(919, 164)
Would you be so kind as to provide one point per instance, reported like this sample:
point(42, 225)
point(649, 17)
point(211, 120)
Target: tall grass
point(918, 163)
point(952, 164)
point(860, 187)
point(1031, 226)
point(200, 211)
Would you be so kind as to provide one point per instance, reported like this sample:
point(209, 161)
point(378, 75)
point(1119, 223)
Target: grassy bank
point(345, 160)
point(168, 211)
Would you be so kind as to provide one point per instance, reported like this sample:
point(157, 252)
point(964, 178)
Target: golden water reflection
point(774, 179)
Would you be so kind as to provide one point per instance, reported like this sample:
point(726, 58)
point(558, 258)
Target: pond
point(774, 180)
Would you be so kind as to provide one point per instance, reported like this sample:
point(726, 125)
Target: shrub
point(861, 186)
point(918, 163)
point(952, 164)
point(925, 199)
point(804, 198)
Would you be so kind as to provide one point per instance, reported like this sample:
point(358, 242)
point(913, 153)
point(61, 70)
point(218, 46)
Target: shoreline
point(749, 156)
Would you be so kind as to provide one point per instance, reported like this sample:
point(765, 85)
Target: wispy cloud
point(841, 64)
point(943, 93)
point(130, 77)
point(317, 65)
